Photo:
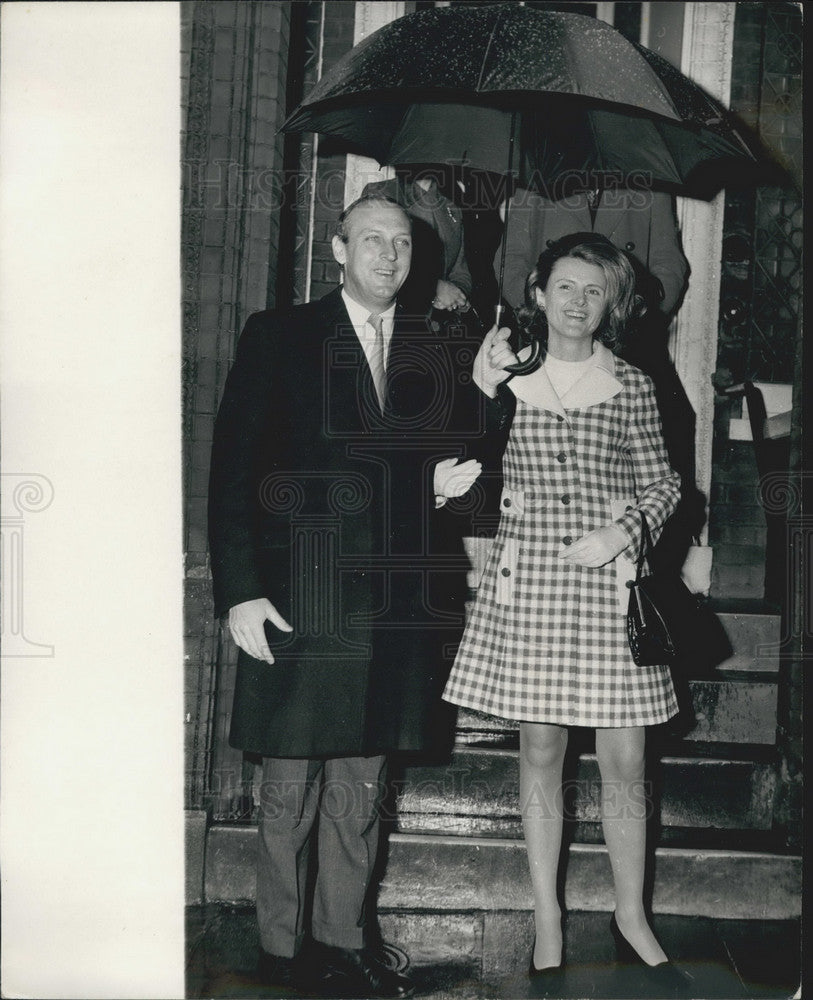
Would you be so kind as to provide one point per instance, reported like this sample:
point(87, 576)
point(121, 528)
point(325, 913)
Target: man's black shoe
point(276, 970)
point(357, 972)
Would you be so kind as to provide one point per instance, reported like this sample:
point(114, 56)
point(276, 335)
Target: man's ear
point(339, 250)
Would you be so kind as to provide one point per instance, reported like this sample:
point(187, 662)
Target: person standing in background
point(642, 223)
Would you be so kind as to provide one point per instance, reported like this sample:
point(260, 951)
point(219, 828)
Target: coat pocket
point(623, 564)
point(512, 509)
point(512, 502)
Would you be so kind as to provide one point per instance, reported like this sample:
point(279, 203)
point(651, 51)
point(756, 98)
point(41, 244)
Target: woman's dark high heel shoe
point(665, 976)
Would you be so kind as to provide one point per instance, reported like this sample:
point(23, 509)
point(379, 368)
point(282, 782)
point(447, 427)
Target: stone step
point(478, 792)
point(476, 954)
point(755, 639)
point(454, 874)
point(469, 873)
point(725, 707)
point(733, 709)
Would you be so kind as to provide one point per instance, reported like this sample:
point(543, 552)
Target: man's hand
point(452, 479)
point(596, 547)
point(449, 296)
point(246, 623)
point(489, 365)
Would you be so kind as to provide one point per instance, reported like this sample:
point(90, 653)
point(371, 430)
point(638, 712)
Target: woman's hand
point(452, 479)
point(246, 624)
point(449, 296)
point(489, 365)
point(596, 547)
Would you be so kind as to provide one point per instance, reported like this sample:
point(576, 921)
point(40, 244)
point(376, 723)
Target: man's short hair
point(373, 199)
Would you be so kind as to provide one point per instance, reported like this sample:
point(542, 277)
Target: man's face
point(377, 254)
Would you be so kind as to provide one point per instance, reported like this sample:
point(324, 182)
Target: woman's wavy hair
point(623, 304)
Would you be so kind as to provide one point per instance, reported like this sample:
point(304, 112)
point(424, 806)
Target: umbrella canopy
point(590, 101)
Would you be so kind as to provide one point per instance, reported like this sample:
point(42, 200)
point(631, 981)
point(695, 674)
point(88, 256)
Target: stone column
point(361, 170)
point(708, 38)
point(606, 12)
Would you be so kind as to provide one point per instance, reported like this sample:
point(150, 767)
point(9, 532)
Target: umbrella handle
point(530, 364)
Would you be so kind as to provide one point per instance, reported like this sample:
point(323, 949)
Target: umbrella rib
point(494, 27)
point(599, 164)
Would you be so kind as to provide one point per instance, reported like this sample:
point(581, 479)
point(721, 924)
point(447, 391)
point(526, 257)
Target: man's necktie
point(377, 358)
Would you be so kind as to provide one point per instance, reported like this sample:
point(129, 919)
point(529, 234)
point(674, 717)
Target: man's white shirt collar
point(359, 315)
point(366, 334)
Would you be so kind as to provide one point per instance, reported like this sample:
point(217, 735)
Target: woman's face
point(575, 302)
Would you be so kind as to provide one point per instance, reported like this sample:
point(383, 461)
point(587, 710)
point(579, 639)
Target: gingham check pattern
point(546, 640)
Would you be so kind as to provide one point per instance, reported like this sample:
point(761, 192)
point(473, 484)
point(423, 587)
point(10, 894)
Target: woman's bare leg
point(624, 806)
point(541, 756)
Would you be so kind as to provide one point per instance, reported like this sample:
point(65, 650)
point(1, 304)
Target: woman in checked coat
point(546, 640)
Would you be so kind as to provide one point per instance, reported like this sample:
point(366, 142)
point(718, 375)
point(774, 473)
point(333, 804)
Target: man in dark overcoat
point(337, 443)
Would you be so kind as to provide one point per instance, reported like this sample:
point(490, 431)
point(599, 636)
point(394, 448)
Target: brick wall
point(232, 157)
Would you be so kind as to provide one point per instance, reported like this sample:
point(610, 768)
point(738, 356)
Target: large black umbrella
point(552, 99)
point(441, 86)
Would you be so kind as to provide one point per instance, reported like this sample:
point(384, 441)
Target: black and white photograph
point(405, 534)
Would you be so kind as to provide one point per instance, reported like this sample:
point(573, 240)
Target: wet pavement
point(736, 959)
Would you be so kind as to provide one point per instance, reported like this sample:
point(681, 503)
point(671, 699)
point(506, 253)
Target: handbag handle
point(645, 547)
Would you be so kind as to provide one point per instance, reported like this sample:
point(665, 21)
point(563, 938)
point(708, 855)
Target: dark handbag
point(666, 622)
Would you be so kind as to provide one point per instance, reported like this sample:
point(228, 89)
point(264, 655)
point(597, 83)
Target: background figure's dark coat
point(640, 222)
point(325, 506)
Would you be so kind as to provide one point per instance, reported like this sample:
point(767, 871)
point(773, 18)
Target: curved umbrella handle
point(530, 364)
